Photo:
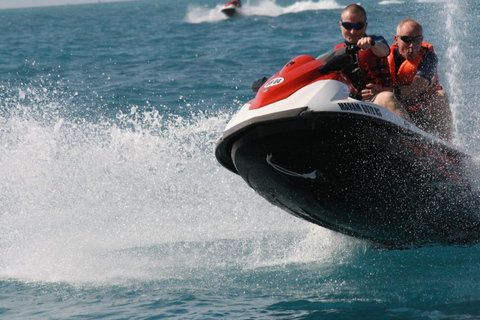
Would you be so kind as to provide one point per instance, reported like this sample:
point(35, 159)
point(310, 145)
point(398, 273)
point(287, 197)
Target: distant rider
point(237, 3)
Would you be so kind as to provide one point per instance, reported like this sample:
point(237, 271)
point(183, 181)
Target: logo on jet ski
point(274, 82)
point(365, 108)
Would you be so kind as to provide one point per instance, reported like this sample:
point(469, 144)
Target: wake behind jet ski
point(305, 145)
point(231, 8)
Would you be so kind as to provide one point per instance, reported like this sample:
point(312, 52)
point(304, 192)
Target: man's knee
point(386, 99)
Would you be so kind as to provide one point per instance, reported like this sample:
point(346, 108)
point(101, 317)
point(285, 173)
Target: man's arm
point(380, 47)
point(412, 91)
point(424, 77)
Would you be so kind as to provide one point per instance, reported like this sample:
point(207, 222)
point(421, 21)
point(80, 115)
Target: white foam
point(139, 197)
point(388, 2)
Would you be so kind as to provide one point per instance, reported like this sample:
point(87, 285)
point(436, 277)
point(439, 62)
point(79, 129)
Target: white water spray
point(462, 72)
point(140, 197)
point(454, 55)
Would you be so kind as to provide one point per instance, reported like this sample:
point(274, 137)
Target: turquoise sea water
point(112, 205)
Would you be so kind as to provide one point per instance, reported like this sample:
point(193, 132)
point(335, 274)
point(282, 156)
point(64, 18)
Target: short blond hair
point(411, 22)
point(354, 8)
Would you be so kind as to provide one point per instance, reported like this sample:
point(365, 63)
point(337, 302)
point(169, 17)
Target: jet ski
point(231, 8)
point(306, 144)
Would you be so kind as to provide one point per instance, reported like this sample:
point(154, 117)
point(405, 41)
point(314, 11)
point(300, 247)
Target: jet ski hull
point(230, 10)
point(360, 176)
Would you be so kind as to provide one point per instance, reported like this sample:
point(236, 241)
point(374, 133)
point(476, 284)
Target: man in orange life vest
point(370, 74)
point(413, 66)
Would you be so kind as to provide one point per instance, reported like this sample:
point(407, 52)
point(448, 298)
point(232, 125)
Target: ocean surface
point(113, 206)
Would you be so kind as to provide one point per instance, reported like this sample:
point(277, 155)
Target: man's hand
point(365, 43)
point(371, 91)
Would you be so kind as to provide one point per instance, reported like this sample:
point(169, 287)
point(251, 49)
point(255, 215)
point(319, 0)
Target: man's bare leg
point(387, 100)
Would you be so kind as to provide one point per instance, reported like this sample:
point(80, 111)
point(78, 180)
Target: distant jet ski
point(231, 8)
point(305, 145)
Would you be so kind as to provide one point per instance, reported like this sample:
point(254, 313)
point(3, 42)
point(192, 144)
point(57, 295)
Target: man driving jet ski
point(369, 72)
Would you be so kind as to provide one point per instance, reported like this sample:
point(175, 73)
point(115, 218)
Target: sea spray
point(137, 196)
point(460, 66)
point(454, 58)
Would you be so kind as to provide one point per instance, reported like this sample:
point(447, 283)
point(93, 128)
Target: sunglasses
point(416, 39)
point(356, 26)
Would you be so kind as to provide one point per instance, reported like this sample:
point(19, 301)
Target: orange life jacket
point(407, 71)
point(374, 69)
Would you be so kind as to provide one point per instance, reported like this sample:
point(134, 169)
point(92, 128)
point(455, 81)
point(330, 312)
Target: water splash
point(461, 69)
point(387, 2)
point(454, 55)
point(197, 14)
point(139, 196)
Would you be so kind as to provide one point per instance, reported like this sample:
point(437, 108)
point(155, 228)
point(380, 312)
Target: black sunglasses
point(356, 26)
point(416, 39)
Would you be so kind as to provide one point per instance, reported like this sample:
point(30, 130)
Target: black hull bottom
point(363, 178)
point(229, 12)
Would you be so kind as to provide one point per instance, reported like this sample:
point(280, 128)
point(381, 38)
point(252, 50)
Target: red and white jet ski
point(305, 145)
point(231, 8)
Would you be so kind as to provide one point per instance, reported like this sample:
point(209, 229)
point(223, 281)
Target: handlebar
point(352, 49)
point(341, 61)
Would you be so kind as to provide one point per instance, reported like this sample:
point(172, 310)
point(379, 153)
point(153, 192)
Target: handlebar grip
point(352, 48)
